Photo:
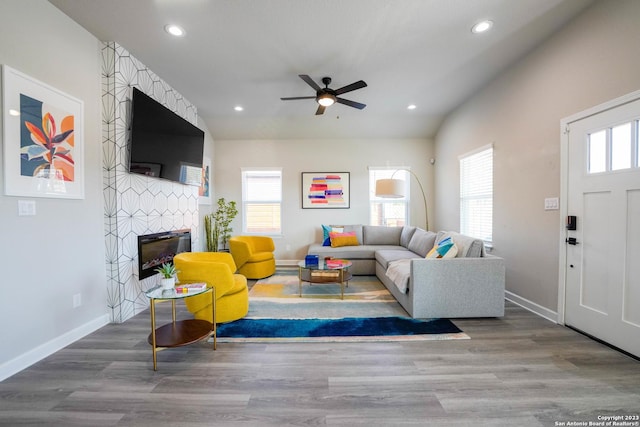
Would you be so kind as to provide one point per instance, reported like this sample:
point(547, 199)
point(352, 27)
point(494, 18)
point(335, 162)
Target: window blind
point(262, 201)
point(476, 194)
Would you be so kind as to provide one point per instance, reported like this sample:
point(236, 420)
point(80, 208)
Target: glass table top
point(329, 264)
point(158, 293)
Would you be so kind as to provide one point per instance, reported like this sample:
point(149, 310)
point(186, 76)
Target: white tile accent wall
point(135, 204)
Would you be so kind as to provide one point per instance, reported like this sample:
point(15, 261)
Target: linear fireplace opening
point(158, 248)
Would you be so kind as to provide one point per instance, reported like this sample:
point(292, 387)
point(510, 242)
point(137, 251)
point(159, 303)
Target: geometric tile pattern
point(135, 204)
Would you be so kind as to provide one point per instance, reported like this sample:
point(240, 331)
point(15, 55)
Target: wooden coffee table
point(331, 271)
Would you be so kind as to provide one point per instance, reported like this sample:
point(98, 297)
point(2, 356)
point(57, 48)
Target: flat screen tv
point(163, 144)
point(156, 249)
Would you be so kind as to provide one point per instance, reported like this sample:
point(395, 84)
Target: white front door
point(602, 256)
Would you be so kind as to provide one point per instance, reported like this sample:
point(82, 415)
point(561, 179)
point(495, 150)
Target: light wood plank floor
point(519, 370)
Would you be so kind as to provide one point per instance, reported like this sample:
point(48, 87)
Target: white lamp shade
point(390, 188)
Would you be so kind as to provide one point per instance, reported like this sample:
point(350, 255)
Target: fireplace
point(156, 249)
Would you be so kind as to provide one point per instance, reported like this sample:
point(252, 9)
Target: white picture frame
point(43, 139)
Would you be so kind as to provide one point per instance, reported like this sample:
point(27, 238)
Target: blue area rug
point(355, 329)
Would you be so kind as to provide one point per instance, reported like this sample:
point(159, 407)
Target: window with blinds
point(262, 201)
point(389, 212)
point(476, 194)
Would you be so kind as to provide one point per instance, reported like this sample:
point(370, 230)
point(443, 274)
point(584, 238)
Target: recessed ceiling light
point(411, 107)
point(175, 30)
point(238, 108)
point(481, 27)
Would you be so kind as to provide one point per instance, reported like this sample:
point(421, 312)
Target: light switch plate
point(551, 204)
point(26, 207)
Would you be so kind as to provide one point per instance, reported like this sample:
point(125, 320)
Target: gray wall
point(302, 226)
point(59, 252)
point(592, 60)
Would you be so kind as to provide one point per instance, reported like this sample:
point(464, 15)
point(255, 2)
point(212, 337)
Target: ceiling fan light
point(326, 99)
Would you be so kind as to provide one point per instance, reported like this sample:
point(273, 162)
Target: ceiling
point(250, 53)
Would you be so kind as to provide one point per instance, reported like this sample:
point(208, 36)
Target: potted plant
point(168, 271)
point(217, 225)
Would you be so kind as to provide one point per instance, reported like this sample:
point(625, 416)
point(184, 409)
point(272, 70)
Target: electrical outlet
point(77, 300)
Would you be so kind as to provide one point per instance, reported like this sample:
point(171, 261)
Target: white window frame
point(607, 159)
point(476, 193)
point(275, 198)
point(378, 172)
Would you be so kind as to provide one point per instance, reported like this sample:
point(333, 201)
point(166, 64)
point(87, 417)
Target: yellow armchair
point(214, 268)
point(253, 255)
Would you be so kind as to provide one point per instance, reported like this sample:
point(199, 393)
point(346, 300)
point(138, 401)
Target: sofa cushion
point(381, 235)
point(385, 256)
point(326, 229)
point(346, 252)
point(343, 239)
point(468, 247)
point(422, 242)
point(406, 235)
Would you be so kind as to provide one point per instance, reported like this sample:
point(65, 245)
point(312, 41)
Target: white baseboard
point(32, 356)
point(287, 263)
point(541, 311)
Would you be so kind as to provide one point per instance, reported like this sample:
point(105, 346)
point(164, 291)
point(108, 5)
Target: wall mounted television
point(158, 248)
point(163, 144)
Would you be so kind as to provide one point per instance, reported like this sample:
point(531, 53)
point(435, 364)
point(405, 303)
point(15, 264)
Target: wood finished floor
point(519, 370)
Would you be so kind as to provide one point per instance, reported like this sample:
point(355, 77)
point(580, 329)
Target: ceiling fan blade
point(353, 86)
point(309, 81)
point(320, 110)
point(353, 104)
point(298, 97)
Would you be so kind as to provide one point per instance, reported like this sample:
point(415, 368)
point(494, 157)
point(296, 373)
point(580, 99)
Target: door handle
point(571, 240)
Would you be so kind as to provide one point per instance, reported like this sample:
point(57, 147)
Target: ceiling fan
point(327, 96)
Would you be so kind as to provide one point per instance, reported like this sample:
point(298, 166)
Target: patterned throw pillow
point(343, 239)
point(326, 229)
point(443, 249)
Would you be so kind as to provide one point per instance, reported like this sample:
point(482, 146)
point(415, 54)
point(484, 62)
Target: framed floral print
point(43, 139)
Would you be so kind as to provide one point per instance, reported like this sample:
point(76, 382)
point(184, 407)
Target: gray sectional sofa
point(469, 285)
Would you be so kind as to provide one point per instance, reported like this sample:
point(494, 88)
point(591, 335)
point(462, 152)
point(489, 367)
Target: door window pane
point(598, 151)
point(621, 147)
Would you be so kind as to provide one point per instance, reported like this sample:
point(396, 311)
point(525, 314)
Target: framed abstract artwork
point(205, 187)
point(43, 139)
point(325, 190)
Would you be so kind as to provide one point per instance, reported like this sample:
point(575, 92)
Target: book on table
point(325, 273)
point(190, 287)
point(334, 263)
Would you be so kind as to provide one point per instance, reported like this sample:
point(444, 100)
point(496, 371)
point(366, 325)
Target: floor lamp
point(394, 189)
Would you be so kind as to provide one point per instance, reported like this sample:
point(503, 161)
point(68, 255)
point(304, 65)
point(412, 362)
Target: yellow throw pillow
point(343, 239)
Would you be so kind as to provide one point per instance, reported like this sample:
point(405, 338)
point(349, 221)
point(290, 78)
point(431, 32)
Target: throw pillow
point(421, 242)
point(326, 229)
point(343, 239)
point(443, 249)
